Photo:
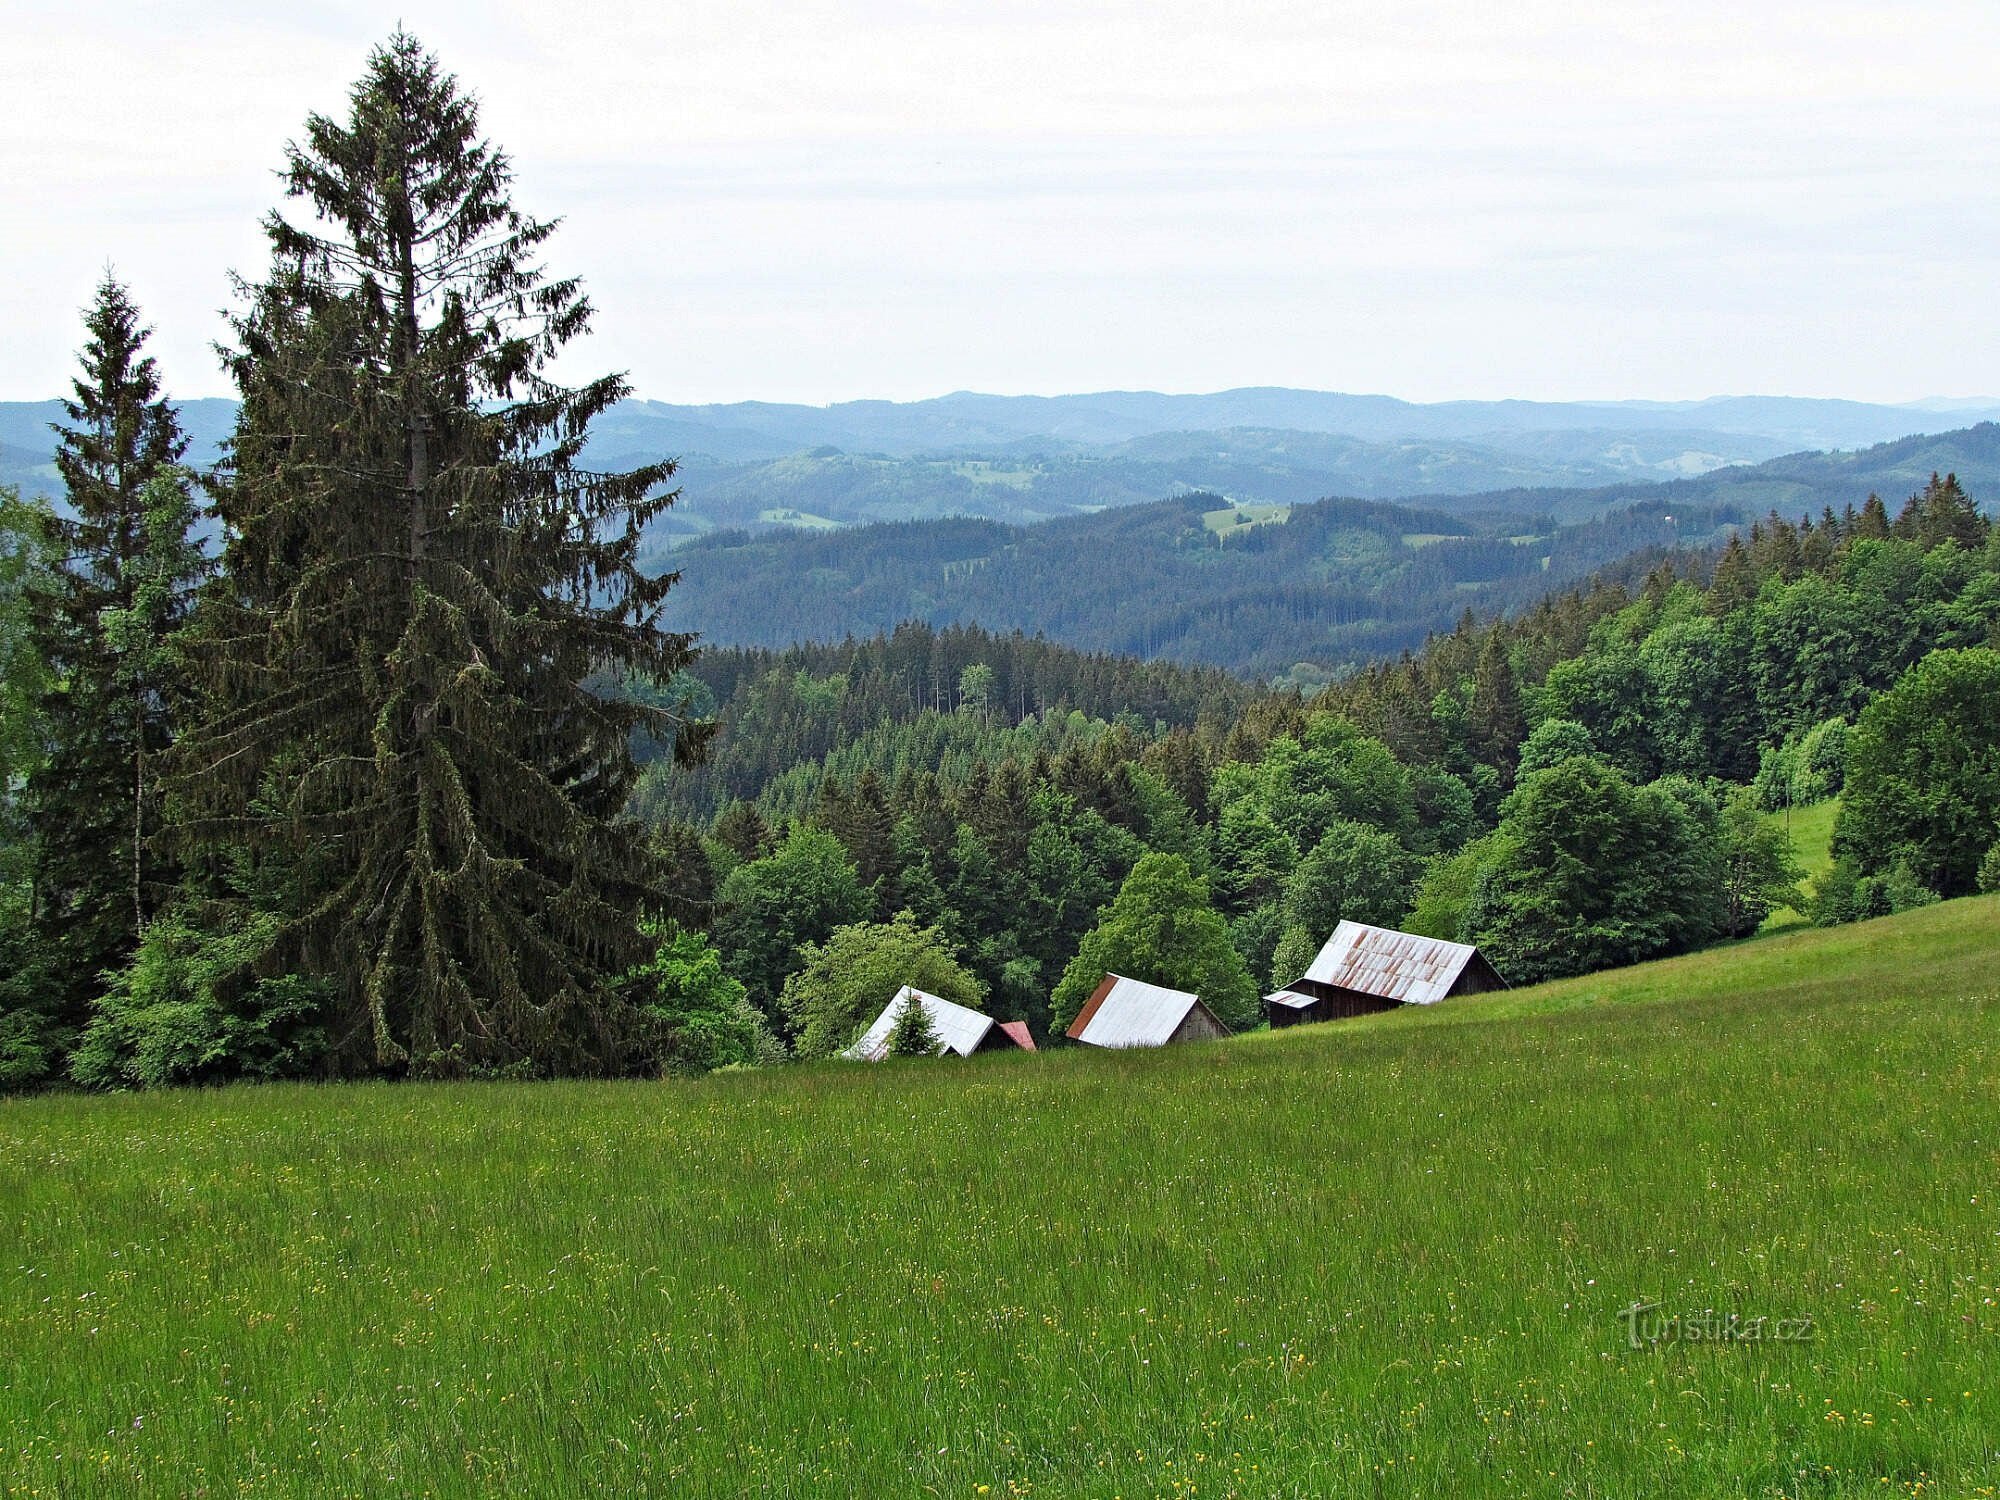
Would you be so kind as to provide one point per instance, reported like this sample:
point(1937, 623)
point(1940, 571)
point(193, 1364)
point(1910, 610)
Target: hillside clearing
point(1384, 1257)
point(1240, 518)
point(1811, 831)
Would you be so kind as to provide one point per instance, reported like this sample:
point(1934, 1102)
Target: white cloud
point(813, 201)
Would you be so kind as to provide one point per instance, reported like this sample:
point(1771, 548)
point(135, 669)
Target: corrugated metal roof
point(1131, 1013)
point(1292, 998)
point(1390, 965)
point(959, 1028)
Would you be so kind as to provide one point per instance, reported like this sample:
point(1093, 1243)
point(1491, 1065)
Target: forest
point(1584, 784)
point(1300, 593)
point(418, 772)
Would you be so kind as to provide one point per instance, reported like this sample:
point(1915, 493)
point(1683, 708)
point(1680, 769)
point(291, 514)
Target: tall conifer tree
point(423, 585)
point(130, 565)
point(1495, 721)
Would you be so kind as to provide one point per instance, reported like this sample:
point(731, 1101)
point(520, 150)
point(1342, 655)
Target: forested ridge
point(1583, 784)
point(420, 773)
point(1309, 593)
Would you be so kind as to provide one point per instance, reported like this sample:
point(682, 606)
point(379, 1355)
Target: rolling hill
point(1023, 459)
point(1195, 580)
point(967, 421)
point(1396, 1257)
point(1262, 589)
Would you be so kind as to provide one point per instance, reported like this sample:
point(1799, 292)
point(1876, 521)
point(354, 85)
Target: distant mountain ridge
point(1021, 459)
point(968, 420)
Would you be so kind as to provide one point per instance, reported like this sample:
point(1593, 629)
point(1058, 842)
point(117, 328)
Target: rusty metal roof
point(1291, 998)
point(1018, 1030)
point(1390, 965)
point(1131, 1013)
point(959, 1028)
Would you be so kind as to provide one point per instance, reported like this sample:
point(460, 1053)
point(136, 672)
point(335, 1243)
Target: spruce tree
point(405, 728)
point(913, 1035)
point(1874, 523)
point(1946, 513)
point(1495, 721)
point(130, 565)
point(1736, 578)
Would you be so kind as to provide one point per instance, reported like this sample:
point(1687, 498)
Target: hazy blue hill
point(1106, 417)
point(1029, 458)
point(28, 469)
point(1794, 484)
point(26, 443)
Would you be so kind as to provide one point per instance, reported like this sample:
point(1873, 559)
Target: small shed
point(1363, 969)
point(1125, 1012)
point(961, 1030)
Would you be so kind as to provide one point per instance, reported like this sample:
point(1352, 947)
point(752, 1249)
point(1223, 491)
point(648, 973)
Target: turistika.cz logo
point(1648, 1327)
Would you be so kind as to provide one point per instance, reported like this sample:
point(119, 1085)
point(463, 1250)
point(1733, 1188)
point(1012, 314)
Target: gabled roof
point(1290, 998)
point(960, 1029)
point(1125, 1012)
point(1390, 965)
point(1018, 1030)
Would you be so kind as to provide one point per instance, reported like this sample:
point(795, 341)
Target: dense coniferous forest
point(419, 774)
point(1318, 589)
point(914, 699)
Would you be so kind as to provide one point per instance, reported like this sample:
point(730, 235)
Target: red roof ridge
point(1083, 1017)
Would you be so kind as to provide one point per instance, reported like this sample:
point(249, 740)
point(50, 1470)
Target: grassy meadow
point(1381, 1258)
point(1811, 831)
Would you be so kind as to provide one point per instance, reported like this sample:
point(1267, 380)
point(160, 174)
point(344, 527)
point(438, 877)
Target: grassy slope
point(1811, 829)
point(1378, 1258)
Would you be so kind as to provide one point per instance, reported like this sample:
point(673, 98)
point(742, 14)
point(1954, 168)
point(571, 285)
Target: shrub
point(187, 1009)
point(700, 1018)
point(1844, 894)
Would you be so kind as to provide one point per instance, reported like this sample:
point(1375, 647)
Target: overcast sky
point(814, 202)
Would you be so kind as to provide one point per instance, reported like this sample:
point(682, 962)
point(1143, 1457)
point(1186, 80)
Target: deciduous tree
point(1923, 773)
point(1161, 929)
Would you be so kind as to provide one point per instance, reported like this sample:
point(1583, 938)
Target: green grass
point(1239, 518)
point(803, 520)
point(986, 471)
point(1376, 1258)
point(1811, 829)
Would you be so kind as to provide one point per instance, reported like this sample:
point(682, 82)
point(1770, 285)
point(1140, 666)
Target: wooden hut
point(1363, 969)
point(961, 1030)
point(1125, 1012)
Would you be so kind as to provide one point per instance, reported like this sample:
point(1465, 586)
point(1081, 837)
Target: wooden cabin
point(1363, 969)
point(961, 1030)
point(1125, 1012)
